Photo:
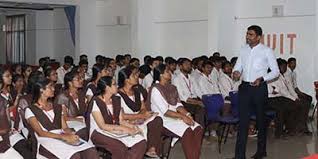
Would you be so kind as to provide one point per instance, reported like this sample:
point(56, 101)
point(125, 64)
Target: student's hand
point(236, 75)
point(188, 120)
point(147, 114)
point(70, 138)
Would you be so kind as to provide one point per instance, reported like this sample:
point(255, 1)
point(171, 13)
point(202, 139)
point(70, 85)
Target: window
point(15, 39)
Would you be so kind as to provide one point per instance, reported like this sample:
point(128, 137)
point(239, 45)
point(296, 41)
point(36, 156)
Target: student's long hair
point(41, 83)
point(2, 71)
point(159, 70)
point(102, 83)
point(125, 74)
point(97, 68)
point(34, 76)
point(69, 77)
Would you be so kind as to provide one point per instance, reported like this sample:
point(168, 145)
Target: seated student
point(27, 70)
point(186, 90)
point(285, 89)
point(172, 65)
point(292, 78)
point(134, 109)
point(54, 137)
point(18, 87)
point(206, 85)
point(83, 69)
point(62, 70)
point(285, 108)
point(226, 83)
point(217, 68)
point(51, 74)
point(16, 140)
point(6, 151)
point(99, 71)
point(73, 102)
point(164, 99)
point(148, 80)
point(106, 126)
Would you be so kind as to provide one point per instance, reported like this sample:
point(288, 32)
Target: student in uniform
point(226, 83)
point(6, 150)
point(285, 88)
point(177, 121)
point(292, 78)
point(148, 80)
point(51, 74)
point(186, 89)
point(107, 128)
point(74, 102)
point(16, 140)
point(27, 70)
point(134, 109)
point(62, 70)
point(99, 71)
point(54, 137)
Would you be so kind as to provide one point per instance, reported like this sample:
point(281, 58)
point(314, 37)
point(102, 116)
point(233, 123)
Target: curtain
point(70, 14)
point(15, 39)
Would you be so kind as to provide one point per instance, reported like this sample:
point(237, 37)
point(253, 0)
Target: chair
point(214, 104)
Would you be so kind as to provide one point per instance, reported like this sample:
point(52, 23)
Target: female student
point(107, 127)
point(56, 140)
point(133, 105)
point(164, 99)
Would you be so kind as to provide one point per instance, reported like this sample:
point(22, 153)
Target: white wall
point(113, 39)
point(53, 37)
point(171, 27)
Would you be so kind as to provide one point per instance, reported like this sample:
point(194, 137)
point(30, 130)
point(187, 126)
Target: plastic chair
point(214, 104)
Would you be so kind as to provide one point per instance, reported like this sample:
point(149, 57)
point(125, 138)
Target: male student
point(185, 86)
point(62, 70)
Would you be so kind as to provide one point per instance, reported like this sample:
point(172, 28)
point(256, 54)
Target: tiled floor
point(293, 148)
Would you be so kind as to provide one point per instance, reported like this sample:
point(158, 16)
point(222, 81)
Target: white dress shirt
point(282, 87)
point(148, 80)
point(61, 73)
point(254, 62)
point(291, 77)
point(185, 86)
point(207, 86)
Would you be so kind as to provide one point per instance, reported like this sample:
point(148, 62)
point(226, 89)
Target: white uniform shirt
point(148, 80)
point(282, 87)
point(207, 86)
point(185, 86)
point(226, 84)
point(61, 73)
point(254, 62)
point(291, 77)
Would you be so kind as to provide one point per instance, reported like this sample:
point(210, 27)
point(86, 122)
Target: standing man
point(253, 62)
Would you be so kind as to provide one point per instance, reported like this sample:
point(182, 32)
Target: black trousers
point(251, 98)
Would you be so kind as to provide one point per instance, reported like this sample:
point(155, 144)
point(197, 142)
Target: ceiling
point(28, 6)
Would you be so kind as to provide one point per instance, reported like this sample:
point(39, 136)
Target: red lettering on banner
point(272, 39)
point(292, 37)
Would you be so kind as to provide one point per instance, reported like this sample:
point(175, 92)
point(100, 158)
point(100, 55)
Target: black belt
point(250, 83)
